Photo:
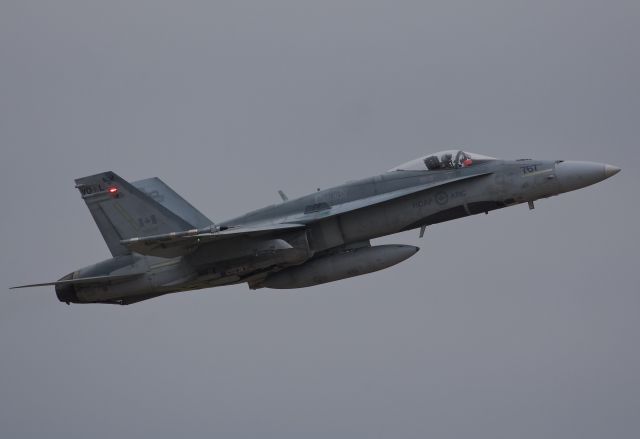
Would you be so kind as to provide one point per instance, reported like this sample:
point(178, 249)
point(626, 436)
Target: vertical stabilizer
point(122, 211)
point(159, 191)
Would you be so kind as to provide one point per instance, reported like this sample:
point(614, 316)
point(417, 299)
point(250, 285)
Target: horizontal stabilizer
point(182, 243)
point(94, 280)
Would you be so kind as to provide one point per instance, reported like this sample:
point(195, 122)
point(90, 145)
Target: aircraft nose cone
point(576, 175)
point(610, 170)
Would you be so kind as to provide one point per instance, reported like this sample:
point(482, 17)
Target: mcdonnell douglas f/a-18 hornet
point(161, 244)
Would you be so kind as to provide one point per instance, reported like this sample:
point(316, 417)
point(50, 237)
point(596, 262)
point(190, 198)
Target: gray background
point(515, 324)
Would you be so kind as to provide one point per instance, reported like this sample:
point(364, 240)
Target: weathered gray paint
point(270, 246)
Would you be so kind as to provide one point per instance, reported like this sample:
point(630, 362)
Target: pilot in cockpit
point(444, 160)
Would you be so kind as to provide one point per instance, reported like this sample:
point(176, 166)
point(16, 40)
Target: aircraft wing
point(181, 243)
point(339, 209)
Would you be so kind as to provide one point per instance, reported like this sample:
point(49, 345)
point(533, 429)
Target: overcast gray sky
point(516, 324)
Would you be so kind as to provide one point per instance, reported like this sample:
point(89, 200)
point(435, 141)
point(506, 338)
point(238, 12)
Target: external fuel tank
point(339, 266)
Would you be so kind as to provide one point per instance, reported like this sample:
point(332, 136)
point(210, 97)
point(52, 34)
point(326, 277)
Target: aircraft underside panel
point(326, 234)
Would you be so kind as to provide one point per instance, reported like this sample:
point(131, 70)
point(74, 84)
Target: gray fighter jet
point(162, 244)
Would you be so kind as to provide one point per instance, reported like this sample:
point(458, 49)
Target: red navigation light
point(467, 163)
point(112, 190)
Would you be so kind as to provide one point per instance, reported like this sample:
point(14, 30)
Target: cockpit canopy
point(450, 159)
